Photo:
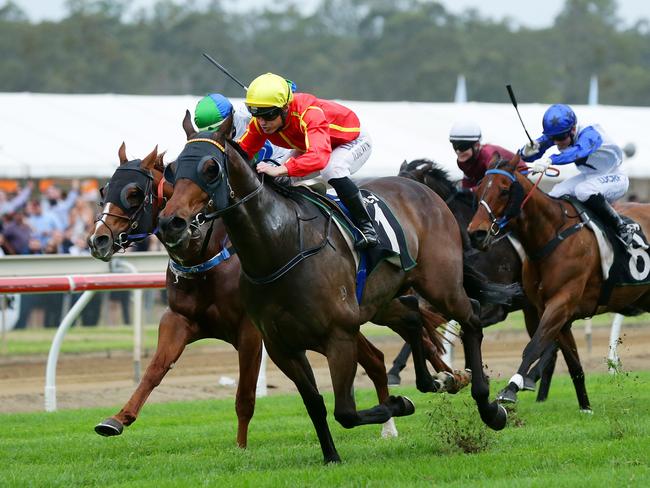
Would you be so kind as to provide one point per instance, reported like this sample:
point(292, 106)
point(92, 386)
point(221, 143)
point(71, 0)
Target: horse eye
point(135, 197)
point(211, 171)
point(504, 192)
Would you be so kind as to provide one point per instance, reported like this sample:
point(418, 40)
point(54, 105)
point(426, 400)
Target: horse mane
point(432, 175)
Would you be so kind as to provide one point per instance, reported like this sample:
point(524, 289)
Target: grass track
point(192, 444)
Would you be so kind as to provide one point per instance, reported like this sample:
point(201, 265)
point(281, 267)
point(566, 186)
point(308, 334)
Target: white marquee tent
point(43, 135)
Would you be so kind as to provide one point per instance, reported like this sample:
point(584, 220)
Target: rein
point(298, 258)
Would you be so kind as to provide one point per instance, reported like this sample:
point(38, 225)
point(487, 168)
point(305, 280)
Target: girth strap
point(550, 246)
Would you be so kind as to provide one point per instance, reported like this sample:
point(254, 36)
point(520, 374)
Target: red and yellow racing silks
point(313, 126)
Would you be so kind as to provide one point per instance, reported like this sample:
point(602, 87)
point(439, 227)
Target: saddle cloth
point(392, 245)
point(621, 266)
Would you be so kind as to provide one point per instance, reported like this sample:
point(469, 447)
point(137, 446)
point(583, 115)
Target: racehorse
point(500, 263)
point(207, 305)
point(298, 276)
point(563, 276)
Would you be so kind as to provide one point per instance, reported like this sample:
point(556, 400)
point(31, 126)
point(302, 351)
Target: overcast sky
point(530, 14)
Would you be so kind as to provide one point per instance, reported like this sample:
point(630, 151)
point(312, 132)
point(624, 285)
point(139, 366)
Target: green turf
point(192, 444)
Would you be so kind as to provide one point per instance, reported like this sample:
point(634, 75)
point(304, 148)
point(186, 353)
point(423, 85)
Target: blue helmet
point(558, 119)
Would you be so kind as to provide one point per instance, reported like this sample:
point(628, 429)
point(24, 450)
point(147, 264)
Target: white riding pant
point(345, 160)
point(611, 185)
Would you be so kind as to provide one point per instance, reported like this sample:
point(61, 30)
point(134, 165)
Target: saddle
point(392, 245)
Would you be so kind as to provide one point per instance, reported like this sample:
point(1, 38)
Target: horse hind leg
point(297, 368)
point(371, 360)
point(249, 351)
point(403, 315)
point(174, 333)
point(570, 352)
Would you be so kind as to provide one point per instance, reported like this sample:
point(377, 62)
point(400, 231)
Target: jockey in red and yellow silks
point(313, 127)
point(325, 137)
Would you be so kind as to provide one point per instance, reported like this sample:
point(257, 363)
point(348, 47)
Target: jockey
point(325, 137)
point(473, 158)
point(213, 109)
point(597, 157)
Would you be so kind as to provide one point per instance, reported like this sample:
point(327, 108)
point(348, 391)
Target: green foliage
point(349, 49)
point(193, 444)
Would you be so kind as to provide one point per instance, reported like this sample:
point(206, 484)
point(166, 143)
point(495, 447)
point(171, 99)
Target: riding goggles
point(462, 145)
point(265, 113)
point(561, 137)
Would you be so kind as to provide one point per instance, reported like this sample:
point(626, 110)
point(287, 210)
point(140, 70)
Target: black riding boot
point(349, 194)
point(609, 216)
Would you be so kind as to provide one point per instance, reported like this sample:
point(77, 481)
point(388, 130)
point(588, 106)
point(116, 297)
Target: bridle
point(148, 209)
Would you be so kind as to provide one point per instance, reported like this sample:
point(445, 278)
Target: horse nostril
point(99, 241)
point(177, 224)
point(477, 238)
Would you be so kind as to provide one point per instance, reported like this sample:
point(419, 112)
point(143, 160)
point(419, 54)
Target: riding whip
point(224, 71)
point(514, 103)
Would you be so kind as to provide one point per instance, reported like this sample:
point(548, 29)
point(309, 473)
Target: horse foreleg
point(570, 353)
point(492, 414)
point(556, 315)
point(297, 368)
point(543, 370)
point(174, 333)
point(249, 352)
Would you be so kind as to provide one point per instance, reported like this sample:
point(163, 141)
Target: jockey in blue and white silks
point(597, 157)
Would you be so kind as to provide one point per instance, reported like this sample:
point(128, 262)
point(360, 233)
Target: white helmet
point(465, 130)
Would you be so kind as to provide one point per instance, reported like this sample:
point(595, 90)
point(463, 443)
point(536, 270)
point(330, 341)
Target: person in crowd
point(326, 137)
point(8, 205)
point(43, 224)
point(212, 110)
point(598, 159)
point(17, 233)
point(54, 203)
point(473, 157)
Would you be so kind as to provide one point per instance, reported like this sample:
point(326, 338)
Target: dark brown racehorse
point(500, 263)
point(298, 277)
point(207, 305)
point(564, 283)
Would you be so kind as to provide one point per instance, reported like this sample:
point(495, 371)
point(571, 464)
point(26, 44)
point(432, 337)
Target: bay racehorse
point(202, 303)
point(563, 276)
point(501, 263)
point(298, 276)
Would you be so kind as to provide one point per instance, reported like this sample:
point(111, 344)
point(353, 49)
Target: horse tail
point(431, 322)
point(478, 287)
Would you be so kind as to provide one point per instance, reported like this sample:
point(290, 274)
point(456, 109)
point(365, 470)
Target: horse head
point(201, 186)
point(129, 205)
point(500, 196)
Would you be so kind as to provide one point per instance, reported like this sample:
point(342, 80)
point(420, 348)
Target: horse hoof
point(587, 411)
point(498, 422)
point(408, 406)
point(109, 427)
point(507, 396)
point(393, 379)
point(529, 384)
point(333, 459)
point(427, 385)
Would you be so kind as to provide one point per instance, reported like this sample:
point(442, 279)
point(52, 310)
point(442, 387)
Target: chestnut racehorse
point(298, 276)
point(563, 278)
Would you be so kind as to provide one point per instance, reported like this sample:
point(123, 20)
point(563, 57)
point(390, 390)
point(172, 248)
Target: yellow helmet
point(269, 90)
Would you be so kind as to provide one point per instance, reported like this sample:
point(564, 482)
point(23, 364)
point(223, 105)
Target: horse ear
point(187, 125)
point(158, 163)
point(121, 153)
point(150, 159)
point(403, 166)
point(225, 130)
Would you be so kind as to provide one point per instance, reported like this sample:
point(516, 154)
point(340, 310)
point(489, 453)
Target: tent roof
point(45, 135)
